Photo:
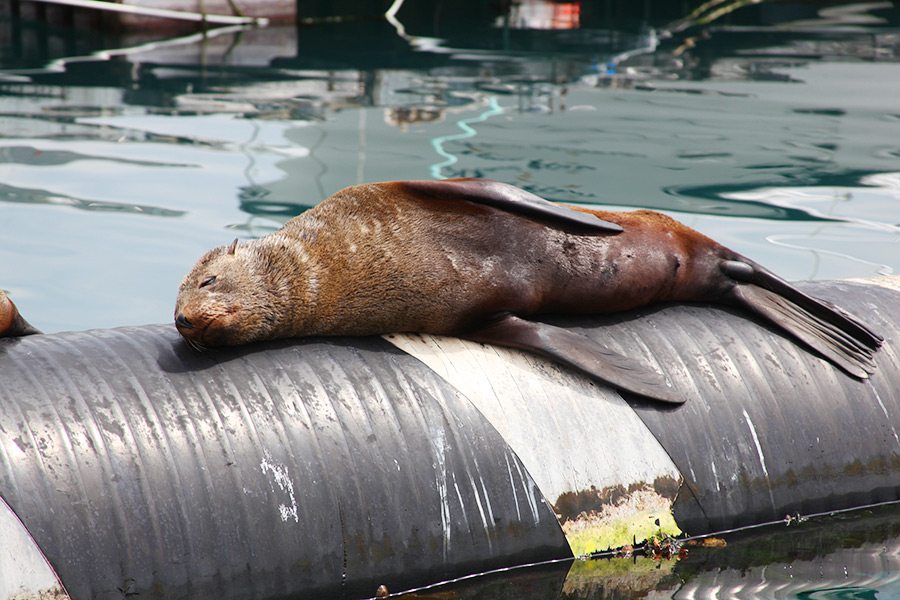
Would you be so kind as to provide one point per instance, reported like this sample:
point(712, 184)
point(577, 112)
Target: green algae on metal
point(598, 520)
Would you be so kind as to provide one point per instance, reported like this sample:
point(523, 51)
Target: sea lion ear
point(232, 247)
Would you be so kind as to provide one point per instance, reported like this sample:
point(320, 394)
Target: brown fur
point(378, 258)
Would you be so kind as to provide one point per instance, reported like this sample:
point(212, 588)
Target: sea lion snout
point(182, 322)
point(192, 329)
point(191, 335)
point(201, 328)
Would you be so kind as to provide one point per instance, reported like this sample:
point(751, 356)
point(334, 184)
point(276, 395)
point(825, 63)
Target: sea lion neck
point(290, 268)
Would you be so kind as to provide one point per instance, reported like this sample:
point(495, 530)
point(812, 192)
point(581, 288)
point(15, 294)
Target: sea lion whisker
point(195, 344)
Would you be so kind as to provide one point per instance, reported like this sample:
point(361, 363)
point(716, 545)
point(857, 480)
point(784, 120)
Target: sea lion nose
point(181, 322)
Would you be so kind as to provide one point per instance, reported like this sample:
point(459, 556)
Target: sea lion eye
point(208, 281)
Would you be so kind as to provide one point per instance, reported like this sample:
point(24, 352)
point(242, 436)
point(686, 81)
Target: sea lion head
point(225, 299)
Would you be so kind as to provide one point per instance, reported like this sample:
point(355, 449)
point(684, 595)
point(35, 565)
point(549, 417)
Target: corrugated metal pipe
point(129, 463)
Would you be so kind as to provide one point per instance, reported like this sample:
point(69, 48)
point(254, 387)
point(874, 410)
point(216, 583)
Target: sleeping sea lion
point(475, 259)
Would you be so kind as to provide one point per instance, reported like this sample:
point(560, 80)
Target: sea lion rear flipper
point(580, 352)
point(506, 197)
point(830, 331)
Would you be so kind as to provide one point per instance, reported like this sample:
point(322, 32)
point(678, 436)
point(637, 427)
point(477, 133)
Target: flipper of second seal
point(506, 197)
point(11, 322)
point(580, 352)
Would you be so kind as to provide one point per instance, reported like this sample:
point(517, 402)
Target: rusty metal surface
point(140, 466)
point(769, 429)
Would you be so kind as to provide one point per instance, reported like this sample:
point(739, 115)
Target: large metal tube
point(137, 465)
point(331, 466)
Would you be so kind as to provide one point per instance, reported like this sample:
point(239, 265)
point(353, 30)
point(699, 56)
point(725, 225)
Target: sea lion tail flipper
point(579, 352)
point(833, 333)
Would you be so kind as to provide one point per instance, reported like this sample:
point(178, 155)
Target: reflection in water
point(553, 72)
point(33, 196)
point(848, 556)
point(839, 593)
point(467, 132)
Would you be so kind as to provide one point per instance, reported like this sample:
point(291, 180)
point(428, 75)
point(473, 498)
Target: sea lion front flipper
point(506, 197)
point(580, 352)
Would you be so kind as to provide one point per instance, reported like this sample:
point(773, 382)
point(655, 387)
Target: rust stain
point(879, 466)
point(55, 593)
point(570, 505)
